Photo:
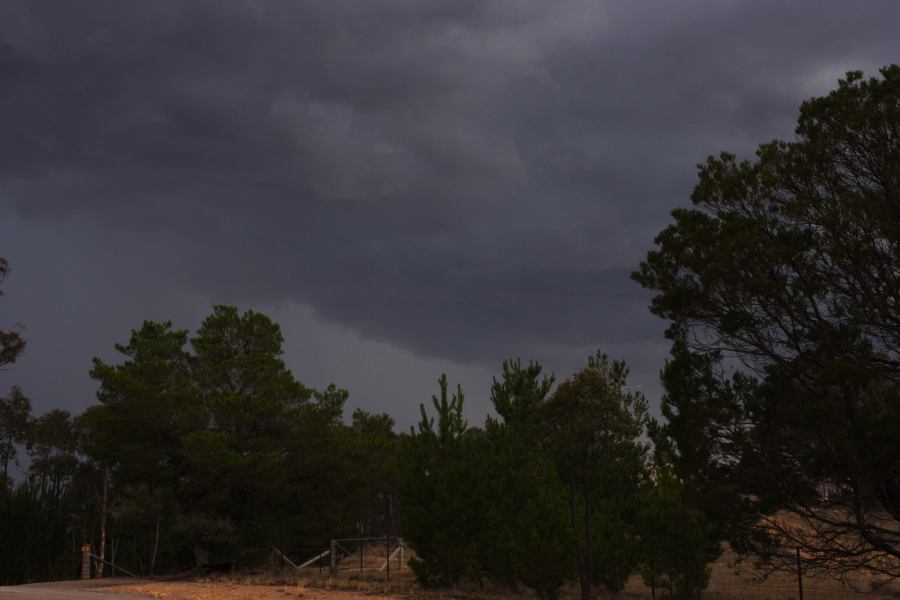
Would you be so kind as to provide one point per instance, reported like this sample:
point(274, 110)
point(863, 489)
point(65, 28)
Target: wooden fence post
point(387, 563)
point(333, 557)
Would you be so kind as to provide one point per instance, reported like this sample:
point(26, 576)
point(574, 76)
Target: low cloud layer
point(441, 184)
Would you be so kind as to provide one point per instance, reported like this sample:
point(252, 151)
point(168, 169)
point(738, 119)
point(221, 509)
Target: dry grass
point(740, 580)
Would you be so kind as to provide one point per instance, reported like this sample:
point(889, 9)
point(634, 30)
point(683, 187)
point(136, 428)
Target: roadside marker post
point(86, 561)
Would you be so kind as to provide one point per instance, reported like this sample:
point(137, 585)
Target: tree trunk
point(103, 498)
point(589, 547)
point(151, 564)
point(579, 556)
point(112, 558)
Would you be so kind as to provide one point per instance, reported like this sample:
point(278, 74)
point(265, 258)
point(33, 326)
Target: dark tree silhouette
point(790, 263)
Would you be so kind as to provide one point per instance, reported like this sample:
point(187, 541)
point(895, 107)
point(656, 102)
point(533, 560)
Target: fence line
point(346, 554)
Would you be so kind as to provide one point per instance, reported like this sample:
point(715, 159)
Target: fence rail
point(346, 554)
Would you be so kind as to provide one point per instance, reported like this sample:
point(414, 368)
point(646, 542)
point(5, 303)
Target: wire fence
point(383, 554)
point(733, 580)
point(385, 558)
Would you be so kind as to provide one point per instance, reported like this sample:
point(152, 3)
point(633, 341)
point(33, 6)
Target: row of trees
point(46, 516)
point(559, 487)
point(203, 447)
point(200, 449)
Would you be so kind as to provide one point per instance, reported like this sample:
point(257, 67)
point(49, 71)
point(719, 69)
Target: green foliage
point(212, 538)
point(703, 432)
point(220, 448)
point(36, 525)
point(541, 537)
point(250, 402)
point(145, 403)
point(548, 490)
point(330, 402)
point(42, 516)
point(15, 409)
point(789, 263)
point(52, 445)
point(238, 357)
point(439, 481)
point(211, 449)
point(15, 413)
point(148, 404)
point(519, 394)
point(615, 542)
point(677, 540)
point(594, 427)
point(11, 341)
point(372, 471)
point(527, 535)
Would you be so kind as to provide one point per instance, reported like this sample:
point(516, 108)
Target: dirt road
point(231, 590)
point(68, 590)
point(137, 589)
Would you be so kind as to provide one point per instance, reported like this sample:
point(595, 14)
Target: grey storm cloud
point(463, 179)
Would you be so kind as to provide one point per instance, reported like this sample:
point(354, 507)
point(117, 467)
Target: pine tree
point(594, 427)
point(440, 483)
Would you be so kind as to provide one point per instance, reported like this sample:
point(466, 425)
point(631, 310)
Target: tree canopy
point(788, 268)
point(206, 449)
point(11, 341)
point(594, 425)
point(216, 448)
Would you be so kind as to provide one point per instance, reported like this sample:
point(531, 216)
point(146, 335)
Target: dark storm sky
point(407, 187)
